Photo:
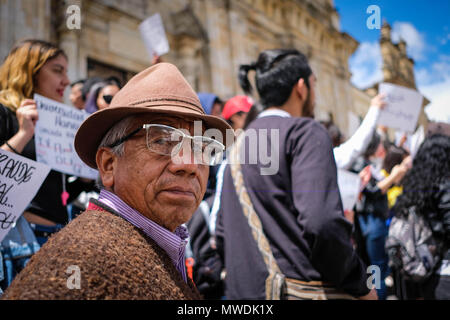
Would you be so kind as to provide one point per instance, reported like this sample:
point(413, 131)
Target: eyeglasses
point(169, 141)
point(108, 98)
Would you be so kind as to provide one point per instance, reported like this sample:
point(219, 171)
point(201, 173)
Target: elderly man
point(130, 242)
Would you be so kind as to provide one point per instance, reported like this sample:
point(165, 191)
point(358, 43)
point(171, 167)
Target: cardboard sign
point(349, 188)
point(402, 107)
point(20, 180)
point(54, 136)
point(154, 35)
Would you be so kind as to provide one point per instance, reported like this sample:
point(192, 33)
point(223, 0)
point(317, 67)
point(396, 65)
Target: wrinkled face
point(76, 96)
point(109, 90)
point(166, 191)
point(52, 80)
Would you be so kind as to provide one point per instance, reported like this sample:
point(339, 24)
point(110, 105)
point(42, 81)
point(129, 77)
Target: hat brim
point(93, 129)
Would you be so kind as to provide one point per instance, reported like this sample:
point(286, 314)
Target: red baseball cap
point(235, 105)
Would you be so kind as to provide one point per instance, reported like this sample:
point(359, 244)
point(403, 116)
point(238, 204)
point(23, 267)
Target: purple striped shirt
point(173, 243)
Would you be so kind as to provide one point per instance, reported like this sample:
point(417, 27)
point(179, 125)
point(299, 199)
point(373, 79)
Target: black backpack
point(412, 247)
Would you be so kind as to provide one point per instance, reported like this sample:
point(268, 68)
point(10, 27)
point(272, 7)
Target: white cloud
point(366, 65)
point(435, 85)
point(433, 81)
point(416, 44)
point(439, 94)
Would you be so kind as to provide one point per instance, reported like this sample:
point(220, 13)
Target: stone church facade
point(208, 39)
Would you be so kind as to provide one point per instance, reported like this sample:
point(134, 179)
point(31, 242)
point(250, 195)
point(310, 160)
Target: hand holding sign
point(20, 179)
point(27, 116)
point(154, 36)
point(402, 109)
point(54, 135)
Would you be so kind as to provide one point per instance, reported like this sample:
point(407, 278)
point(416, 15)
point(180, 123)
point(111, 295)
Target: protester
point(426, 188)
point(372, 208)
point(236, 109)
point(130, 243)
point(101, 95)
point(203, 261)
point(302, 230)
point(438, 128)
point(33, 66)
point(334, 133)
point(88, 86)
point(346, 153)
point(211, 103)
point(76, 95)
point(394, 156)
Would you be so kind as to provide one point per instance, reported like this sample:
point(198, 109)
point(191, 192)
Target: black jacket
point(301, 212)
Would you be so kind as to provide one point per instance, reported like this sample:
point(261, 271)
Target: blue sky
point(424, 25)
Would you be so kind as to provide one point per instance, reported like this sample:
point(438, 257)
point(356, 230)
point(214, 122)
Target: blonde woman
point(33, 66)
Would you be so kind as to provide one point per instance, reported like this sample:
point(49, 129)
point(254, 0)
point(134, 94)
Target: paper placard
point(54, 137)
point(349, 188)
point(402, 107)
point(413, 141)
point(416, 141)
point(154, 35)
point(20, 180)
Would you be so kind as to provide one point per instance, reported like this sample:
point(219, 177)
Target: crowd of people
point(157, 225)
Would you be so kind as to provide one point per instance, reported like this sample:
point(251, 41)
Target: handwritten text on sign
point(402, 107)
point(54, 135)
point(20, 179)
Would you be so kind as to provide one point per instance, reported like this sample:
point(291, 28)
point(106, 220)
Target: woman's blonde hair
point(18, 72)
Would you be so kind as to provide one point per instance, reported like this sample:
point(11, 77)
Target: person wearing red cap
point(236, 109)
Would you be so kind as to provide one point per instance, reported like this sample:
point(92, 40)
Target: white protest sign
point(416, 141)
point(154, 36)
point(349, 187)
point(413, 141)
point(54, 136)
point(20, 180)
point(402, 107)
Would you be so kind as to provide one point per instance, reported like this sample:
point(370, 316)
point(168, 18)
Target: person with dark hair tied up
point(282, 233)
point(427, 188)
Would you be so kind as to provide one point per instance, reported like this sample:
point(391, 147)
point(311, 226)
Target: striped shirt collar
point(173, 243)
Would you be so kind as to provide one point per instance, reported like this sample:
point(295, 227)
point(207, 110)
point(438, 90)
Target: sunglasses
point(108, 98)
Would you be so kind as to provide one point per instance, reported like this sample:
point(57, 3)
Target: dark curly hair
point(431, 166)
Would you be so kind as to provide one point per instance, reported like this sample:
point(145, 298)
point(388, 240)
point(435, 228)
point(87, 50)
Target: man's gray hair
point(118, 131)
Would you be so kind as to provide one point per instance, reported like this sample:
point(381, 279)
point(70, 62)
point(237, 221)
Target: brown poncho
point(116, 261)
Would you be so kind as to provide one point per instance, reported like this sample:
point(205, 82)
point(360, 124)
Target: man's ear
point(301, 89)
point(106, 163)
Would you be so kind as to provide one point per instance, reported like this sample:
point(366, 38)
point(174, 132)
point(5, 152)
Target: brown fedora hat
point(158, 89)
